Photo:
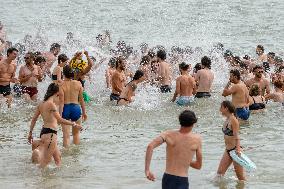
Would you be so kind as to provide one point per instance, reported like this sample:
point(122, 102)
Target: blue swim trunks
point(72, 112)
point(185, 100)
point(243, 113)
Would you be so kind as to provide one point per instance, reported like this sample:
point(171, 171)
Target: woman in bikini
point(232, 140)
point(57, 75)
point(46, 148)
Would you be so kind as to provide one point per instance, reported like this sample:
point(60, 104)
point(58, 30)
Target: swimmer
point(50, 57)
point(256, 101)
point(129, 90)
point(72, 105)
point(260, 80)
point(7, 74)
point(278, 94)
point(145, 67)
point(240, 94)
point(57, 75)
point(46, 148)
point(232, 140)
point(40, 61)
point(185, 86)
point(204, 78)
point(109, 72)
point(118, 79)
point(262, 57)
point(182, 146)
point(29, 76)
point(164, 72)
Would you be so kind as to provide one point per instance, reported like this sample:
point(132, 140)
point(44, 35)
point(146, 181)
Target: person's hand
point(173, 100)
point(238, 151)
point(86, 53)
point(78, 54)
point(78, 127)
point(84, 117)
point(150, 175)
point(30, 138)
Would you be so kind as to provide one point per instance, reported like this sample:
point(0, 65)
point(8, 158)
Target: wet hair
point(228, 53)
point(32, 56)
point(229, 105)
point(278, 59)
point(187, 118)
point(62, 58)
point(39, 60)
point(51, 90)
point(145, 60)
point(37, 53)
point(254, 90)
point(10, 50)
point(260, 47)
point(278, 84)
point(243, 65)
point(236, 73)
point(257, 67)
point(272, 54)
point(151, 54)
point(112, 62)
point(206, 62)
point(119, 60)
point(54, 46)
point(238, 60)
point(197, 67)
point(68, 72)
point(162, 54)
point(246, 57)
point(183, 66)
point(138, 74)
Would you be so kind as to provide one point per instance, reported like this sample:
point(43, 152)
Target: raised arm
point(228, 91)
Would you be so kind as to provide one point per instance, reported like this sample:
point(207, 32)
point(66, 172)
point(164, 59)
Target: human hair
point(260, 47)
point(138, 74)
point(112, 62)
point(236, 73)
point(54, 46)
point(278, 84)
point(206, 62)
point(38, 60)
point(272, 54)
point(151, 54)
point(32, 56)
point(254, 90)
point(162, 54)
point(10, 50)
point(257, 67)
point(183, 66)
point(51, 90)
point(119, 60)
point(62, 58)
point(229, 105)
point(197, 67)
point(187, 118)
point(37, 53)
point(145, 60)
point(68, 72)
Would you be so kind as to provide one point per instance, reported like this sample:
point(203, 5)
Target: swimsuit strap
point(253, 99)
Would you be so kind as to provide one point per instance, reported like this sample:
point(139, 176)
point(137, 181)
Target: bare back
point(187, 85)
point(240, 96)
point(72, 90)
point(204, 77)
point(46, 110)
point(181, 149)
point(164, 73)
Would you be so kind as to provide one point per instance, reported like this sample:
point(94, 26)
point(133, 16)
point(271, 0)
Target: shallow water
point(113, 146)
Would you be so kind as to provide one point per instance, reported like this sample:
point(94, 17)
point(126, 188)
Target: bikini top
point(54, 77)
point(227, 131)
point(257, 106)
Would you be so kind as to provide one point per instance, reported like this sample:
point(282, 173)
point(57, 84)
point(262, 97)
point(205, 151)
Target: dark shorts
point(72, 112)
point(202, 95)
point(114, 97)
point(165, 89)
point(243, 113)
point(174, 182)
point(17, 90)
point(5, 90)
point(31, 91)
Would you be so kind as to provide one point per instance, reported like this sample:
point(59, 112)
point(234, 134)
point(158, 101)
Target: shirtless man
point(46, 148)
point(204, 78)
point(240, 94)
point(109, 72)
point(50, 57)
point(278, 95)
point(29, 76)
point(145, 67)
point(72, 105)
point(129, 90)
point(185, 86)
point(164, 72)
point(260, 80)
point(118, 79)
point(7, 74)
point(182, 146)
point(262, 57)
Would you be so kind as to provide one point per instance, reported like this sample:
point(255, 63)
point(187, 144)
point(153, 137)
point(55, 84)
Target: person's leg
point(239, 171)
point(76, 133)
point(57, 156)
point(36, 155)
point(224, 164)
point(9, 100)
point(49, 146)
point(66, 135)
point(35, 144)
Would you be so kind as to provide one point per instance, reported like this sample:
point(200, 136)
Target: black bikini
point(45, 130)
point(256, 106)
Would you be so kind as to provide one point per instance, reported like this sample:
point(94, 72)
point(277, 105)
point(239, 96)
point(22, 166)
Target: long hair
point(51, 90)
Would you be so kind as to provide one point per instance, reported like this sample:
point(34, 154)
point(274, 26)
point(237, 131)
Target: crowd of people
point(252, 83)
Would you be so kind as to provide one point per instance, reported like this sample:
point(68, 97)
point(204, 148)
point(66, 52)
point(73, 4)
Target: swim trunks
point(202, 95)
point(72, 112)
point(5, 90)
point(17, 88)
point(31, 91)
point(243, 113)
point(114, 97)
point(185, 100)
point(174, 182)
point(165, 89)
